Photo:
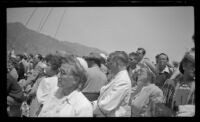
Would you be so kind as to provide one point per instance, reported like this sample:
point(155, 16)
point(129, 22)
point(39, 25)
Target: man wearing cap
point(95, 77)
point(114, 97)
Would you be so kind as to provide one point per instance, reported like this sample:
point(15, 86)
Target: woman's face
point(189, 69)
point(65, 78)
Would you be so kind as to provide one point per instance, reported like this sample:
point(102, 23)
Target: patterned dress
point(177, 92)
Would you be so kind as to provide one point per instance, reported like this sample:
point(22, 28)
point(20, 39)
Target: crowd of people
point(117, 85)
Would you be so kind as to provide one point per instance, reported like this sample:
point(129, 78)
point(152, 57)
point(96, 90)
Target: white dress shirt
point(114, 97)
point(46, 86)
point(73, 105)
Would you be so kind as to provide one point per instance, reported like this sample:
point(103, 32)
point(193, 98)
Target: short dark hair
point(40, 57)
point(143, 50)
point(54, 60)
point(120, 55)
point(165, 55)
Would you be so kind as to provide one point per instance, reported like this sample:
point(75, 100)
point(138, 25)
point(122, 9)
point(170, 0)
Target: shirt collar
point(69, 97)
point(166, 69)
point(120, 73)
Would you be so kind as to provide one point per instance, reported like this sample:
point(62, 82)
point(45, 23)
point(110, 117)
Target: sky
point(157, 29)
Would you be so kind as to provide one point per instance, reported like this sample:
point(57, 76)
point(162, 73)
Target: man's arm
point(111, 100)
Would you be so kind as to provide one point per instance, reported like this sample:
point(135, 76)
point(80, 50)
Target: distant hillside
point(23, 39)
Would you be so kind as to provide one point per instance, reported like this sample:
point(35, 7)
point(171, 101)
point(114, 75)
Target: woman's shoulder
point(81, 99)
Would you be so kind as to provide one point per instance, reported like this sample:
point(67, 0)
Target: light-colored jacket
point(141, 101)
point(114, 97)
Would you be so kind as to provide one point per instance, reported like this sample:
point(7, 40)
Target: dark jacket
point(15, 97)
point(13, 89)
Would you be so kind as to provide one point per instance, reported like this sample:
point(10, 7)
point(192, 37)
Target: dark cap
point(93, 56)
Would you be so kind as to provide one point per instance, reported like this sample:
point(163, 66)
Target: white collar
point(69, 97)
point(121, 72)
point(166, 69)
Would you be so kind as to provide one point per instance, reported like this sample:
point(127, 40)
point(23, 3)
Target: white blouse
point(73, 105)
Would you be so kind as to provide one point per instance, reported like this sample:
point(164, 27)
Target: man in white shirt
point(114, 97)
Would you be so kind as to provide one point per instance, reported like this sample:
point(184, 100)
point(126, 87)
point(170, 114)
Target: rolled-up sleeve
point(110, 101)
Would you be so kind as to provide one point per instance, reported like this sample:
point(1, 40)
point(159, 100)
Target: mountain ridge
point(22, 39)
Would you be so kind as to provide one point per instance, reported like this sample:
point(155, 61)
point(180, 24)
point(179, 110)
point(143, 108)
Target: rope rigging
point(60, 22)
point(46, 19)
point(30, 16)
point(42, 20)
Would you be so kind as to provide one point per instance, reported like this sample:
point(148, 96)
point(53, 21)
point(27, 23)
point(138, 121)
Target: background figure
point(164, 71)
point(12, 67)
point(144, 94)
point(180, 93)
point(67, 100)
point(14, 97)
point(114, 97)
point(45, 85)
point(142, 60)
point(95, 77)
point(133, 60)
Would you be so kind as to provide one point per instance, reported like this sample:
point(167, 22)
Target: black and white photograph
point(100, 61)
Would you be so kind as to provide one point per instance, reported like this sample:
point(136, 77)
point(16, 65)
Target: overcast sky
point(157, 29)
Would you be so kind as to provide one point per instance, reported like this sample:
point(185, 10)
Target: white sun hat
point(103, 55)
point(83, 62)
